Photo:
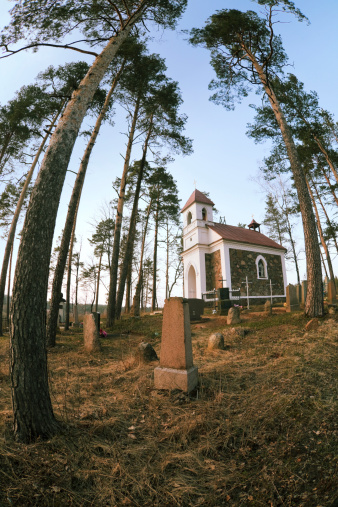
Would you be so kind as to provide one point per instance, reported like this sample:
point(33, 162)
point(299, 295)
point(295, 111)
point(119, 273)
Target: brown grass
point(260, 430)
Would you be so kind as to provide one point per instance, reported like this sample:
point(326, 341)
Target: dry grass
point(261, 430)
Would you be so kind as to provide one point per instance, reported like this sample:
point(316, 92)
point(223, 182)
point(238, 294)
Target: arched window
point(204, 214)
point(189, 218)
point(262, 269)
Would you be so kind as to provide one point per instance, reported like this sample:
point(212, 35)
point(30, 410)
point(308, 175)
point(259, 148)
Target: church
point(216, 255)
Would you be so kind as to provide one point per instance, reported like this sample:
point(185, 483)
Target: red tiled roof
point(241, 235)
point(197, 196)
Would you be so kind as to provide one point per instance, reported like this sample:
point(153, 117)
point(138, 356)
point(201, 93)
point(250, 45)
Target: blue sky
point(225, 160)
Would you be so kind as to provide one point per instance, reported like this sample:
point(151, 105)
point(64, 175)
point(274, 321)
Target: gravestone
point(91, 337)
point(233, 316)
point(75, 316)
point(299, 292)
point(292, 302)
point(196, 308)
point(146, 352)
point(331, 292)
point(216, 341)
point(268, 307)
point(304, 291)
point(176, 370)
point(224, 301)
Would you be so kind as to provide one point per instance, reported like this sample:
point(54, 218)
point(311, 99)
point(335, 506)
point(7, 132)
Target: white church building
point(216, 255)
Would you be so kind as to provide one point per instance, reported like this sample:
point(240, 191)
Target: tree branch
point(66, 46)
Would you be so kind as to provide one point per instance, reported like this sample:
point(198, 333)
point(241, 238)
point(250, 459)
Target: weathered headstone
point(233, 316)
point(91, 337)
point(196, 308)
point(292, 303)
point(304, 291)
point(223, 301)
point(146, 352)
point(268, 307)
point(75, 316)
point(299, 292)
point(216, 341)
point(176, 370)
point(331, 292)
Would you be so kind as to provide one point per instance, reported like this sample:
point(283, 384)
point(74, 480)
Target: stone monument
point(331, 292)
point(292, 301)
point(304, 291)
point(176, 370)
point(234, 316)
point(91, 337)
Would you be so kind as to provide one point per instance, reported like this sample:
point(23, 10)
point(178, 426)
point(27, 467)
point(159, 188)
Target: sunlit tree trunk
point(321, 235)
point(118, 221)
point(135, 310)
point(70, 225)
point(11, 234)
point(154, 294)
point(32, 408)
point(314, 301)
point(132, 227)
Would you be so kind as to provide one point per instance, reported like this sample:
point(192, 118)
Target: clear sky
point(224, 160)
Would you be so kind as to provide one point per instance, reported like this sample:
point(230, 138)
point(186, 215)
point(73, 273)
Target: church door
point(191, 282)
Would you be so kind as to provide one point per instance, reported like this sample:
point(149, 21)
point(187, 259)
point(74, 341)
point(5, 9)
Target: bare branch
point(66, 46)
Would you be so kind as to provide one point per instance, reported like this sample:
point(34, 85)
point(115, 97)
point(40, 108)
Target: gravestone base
point(292, 308)
point(171, 378)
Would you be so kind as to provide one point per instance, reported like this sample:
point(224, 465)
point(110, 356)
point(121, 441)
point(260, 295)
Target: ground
point(260, 430)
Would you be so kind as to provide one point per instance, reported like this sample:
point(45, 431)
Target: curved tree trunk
point(329, 223)
point(132, 228)
point(118, 222)
point(314, 302)
point(69, 269)
point(11, 234)
point(9, 285)
point(321, 235)
point(33, 413)
point(70, 224)
point(135, 310)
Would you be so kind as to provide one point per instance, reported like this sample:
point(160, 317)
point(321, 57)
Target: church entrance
point(191, 282)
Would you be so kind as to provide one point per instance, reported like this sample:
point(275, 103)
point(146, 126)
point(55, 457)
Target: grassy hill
point(261, 430)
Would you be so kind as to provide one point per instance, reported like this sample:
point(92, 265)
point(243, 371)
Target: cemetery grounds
point(260, 430)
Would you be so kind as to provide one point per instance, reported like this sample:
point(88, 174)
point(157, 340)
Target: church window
point(189, 218)
point(204, 214)
point(262, 271)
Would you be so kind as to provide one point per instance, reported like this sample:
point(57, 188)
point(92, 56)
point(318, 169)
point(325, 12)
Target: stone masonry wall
point(213, 270)
point(243, 263)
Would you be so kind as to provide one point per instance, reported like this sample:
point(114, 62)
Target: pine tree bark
point(98, 282)
point(154, 294)
point(33, 413)
point(70, 224)
point(69, 269)
point(314, 302)
point(12, 230)
point(132, 228)
point(321, 235)
point(135, 310)
point(118, 221)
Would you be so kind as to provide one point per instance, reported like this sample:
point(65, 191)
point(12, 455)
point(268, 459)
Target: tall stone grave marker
point(76, 316)
point(91, 336)
point(176, 370)
point(331, 292)
point(304, 291)
point(292, 301)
